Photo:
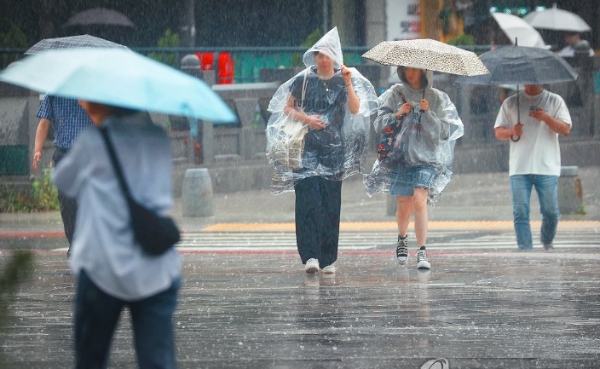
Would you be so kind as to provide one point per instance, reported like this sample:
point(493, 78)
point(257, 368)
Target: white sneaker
point(329, 269)
point(422, 262)
point(312, 266)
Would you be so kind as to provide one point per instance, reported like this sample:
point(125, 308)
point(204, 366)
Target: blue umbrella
point(118, 77)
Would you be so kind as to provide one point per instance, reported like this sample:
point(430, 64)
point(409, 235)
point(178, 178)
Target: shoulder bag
point(155, 233)
point(289, 146)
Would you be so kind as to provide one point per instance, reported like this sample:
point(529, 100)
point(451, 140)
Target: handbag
point(386, 146)
point(289, 146)
point(155, 233)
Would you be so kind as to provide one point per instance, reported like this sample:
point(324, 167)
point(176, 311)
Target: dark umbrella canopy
point(522, 65)
point(99, 16)
point(81, 41)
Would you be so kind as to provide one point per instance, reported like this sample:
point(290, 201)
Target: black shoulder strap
point(115, 162)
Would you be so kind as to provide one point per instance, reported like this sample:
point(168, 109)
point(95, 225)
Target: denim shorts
point(405, 179)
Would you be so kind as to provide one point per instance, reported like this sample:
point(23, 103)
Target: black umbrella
point(522, 65)
point(99, 16)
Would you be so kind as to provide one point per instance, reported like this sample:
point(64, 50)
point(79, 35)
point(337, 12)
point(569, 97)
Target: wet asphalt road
point(478, 307)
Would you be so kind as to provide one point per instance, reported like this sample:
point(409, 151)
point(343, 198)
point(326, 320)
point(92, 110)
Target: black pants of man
point(318, 203)
point(68, 205)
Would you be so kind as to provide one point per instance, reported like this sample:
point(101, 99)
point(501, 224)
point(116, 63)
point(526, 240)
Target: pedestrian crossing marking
point(383, 226)
point(439, 240)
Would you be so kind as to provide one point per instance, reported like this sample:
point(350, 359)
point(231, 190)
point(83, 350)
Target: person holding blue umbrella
point(112, 270)
point(113, 266)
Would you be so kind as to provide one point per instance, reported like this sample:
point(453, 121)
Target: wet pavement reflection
point(477, 308)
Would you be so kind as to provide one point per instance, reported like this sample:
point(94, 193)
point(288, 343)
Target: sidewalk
point(468, 198)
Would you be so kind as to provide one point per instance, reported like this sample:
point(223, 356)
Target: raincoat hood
point(329, 45)
point(427, 77)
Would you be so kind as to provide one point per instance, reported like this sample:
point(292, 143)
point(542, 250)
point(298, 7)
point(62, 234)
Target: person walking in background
point(112, 269)
point(534, 157)
point(68, 120)
point(419, 125)
point(332, 101)
point(573, 43)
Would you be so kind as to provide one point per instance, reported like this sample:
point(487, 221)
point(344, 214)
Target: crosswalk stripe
point(387, 226)
point(442, 240)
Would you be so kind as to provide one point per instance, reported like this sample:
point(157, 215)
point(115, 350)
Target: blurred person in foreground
point(112, 270)
point(68, 120)
point(534, 157)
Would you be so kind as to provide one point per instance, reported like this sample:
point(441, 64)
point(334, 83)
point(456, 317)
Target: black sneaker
point(422, 262)
point(402, 249)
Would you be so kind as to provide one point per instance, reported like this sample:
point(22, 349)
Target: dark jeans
point(318, 203)
point(97, 314)
point(68, 205)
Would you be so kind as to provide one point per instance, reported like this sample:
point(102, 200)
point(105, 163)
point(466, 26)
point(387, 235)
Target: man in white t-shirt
point(534, 157)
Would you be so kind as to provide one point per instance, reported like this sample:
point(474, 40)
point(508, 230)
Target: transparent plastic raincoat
point(335, 152)
point(417, 139)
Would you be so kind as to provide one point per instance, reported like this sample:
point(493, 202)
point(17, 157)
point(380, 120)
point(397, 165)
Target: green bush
point(13, 38)
point(42, 196)
point(462, 40)
point(169, 39)
point(308, 42)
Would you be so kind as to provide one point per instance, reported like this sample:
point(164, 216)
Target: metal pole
point(325, 16)
point(188, 23)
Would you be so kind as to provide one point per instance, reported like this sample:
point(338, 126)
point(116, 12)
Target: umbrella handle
point(515, 139)
point(423, 110)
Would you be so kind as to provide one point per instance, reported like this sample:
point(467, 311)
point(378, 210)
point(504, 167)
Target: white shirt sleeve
point(504, 119)
point(561, 111)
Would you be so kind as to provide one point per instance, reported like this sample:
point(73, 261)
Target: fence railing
point(248, 61)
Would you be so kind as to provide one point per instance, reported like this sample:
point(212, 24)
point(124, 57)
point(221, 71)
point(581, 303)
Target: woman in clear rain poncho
point(420, 126)
point(317, 136)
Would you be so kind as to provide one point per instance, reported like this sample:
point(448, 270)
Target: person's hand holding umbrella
point(517, 131)
point(404, 109)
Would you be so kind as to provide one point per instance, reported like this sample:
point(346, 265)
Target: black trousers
point(68, 205)
point(318, 203)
